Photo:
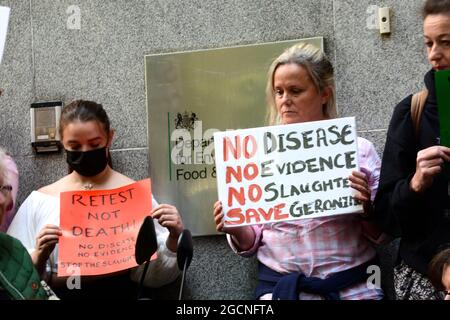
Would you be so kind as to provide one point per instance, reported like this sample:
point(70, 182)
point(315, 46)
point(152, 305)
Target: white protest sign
point(4, 17)
point(287, 172)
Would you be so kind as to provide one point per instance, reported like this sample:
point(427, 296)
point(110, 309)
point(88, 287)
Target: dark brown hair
point(435, 7)
point(84, 111)
point(437, 267)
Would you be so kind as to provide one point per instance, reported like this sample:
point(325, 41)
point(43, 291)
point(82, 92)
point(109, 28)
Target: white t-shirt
point(40, 209)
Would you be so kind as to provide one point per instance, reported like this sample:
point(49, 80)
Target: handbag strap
point(417, 104)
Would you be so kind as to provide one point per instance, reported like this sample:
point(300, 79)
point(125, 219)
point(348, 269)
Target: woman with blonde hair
point(320, 258)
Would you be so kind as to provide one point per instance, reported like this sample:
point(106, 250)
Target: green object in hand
point(443, 98)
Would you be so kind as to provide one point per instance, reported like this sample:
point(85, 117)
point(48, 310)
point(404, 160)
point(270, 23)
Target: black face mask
point(88, 163)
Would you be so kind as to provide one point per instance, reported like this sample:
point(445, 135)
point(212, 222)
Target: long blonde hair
point(319, 69)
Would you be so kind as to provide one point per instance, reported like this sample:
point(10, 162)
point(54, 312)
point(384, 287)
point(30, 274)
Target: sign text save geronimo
point(287, 172)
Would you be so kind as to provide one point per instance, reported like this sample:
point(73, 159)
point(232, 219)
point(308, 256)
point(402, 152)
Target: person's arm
point(366, 183)
point(168, 227)
point(243, 240)
point(46, 241)
point(169, 218)
point(397, 206)
point(428, 165)
point(31, 225)
point(164, 269)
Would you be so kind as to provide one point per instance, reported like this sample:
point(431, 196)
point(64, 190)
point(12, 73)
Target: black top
point(4, 295)
point(421, 220)
point(116, 287)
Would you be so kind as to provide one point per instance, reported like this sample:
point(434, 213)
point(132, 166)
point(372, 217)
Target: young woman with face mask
point(86, 136)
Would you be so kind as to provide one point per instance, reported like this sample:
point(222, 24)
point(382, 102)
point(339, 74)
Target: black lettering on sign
point(266, 171)
point(103, 215)
point(101, 200)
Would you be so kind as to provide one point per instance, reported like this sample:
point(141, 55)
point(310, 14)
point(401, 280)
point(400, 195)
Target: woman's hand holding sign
point(169, 218)
point(359, 182)
point(243, 237)
point(428, 165)
point(46, 241)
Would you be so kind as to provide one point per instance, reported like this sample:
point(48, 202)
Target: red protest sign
point(100, 228)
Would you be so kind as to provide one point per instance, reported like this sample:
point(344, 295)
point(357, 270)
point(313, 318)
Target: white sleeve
point(164, 269)
point(36, 211)
point(22, 226)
